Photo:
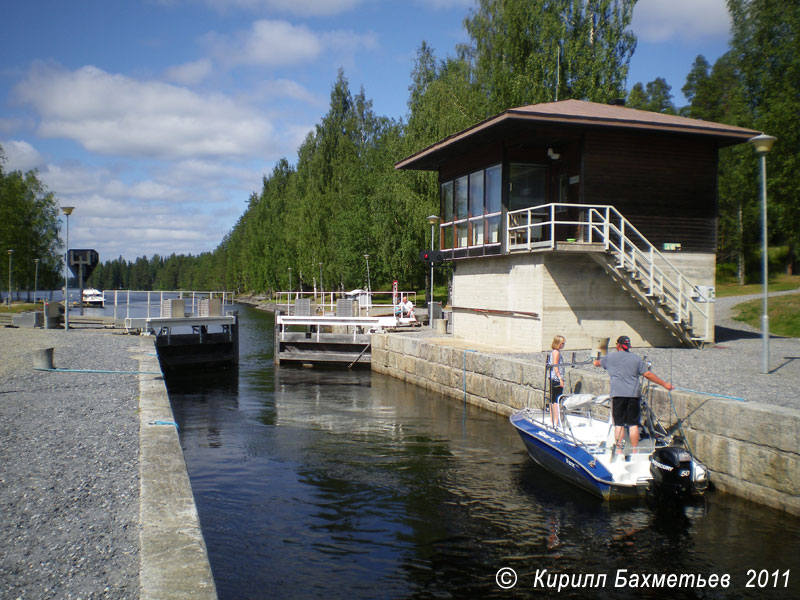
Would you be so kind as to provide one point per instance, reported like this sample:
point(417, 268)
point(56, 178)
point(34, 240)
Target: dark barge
point(196, 342)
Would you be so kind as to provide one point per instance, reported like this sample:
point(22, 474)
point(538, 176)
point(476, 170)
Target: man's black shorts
point(625, 411)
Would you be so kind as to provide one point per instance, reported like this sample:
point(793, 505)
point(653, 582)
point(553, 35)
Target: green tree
point(28, 226)
point(766, 36)
point(527, 52)
point(655, 97)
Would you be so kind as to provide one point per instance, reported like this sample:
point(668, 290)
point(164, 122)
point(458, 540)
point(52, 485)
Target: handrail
point(356, 295)
point(604, 224)
point(227, 297)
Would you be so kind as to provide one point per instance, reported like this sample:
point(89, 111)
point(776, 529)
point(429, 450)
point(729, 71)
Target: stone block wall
point(752, 449)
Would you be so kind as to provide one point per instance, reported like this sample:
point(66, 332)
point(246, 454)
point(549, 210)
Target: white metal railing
point(155, 299)
point(326, 301)
point(535, 228)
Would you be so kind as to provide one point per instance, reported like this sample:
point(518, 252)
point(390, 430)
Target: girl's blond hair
point(557, 341)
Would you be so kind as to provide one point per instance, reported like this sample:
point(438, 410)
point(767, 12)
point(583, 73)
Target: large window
point(471, 209)
point(526, 186)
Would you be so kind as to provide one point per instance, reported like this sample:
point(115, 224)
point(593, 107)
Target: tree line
point(342, 201)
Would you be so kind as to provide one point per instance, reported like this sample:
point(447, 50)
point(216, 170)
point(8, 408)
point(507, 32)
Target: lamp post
point(10, 253)
point(369, 287)
point(433, 220)
point(36, 280)
point(763, 144)
point(321, 291)
point(67, 210)
point(290, 288)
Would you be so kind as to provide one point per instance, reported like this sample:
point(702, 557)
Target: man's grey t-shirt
point(624, 370)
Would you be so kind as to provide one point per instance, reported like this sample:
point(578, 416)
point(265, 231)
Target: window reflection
point(470, 207)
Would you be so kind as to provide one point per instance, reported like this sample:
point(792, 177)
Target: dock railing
point(369, 303)
point(155, 299)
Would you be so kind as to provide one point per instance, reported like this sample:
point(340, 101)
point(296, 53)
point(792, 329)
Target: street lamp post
point(369, 286)
point(763, 144)
point(36, 280)
point(10, 253)
point(321, 289)
point(67, 210)
point(433, 220)
point(290, 288)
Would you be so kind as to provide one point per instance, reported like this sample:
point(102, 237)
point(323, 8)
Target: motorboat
point(579, 446)
point(93, 298)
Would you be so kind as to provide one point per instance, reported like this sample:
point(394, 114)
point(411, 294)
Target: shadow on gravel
point(787, 360)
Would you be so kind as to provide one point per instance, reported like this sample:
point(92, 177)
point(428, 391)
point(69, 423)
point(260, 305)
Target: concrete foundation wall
point(752, 449)
point(570, 294)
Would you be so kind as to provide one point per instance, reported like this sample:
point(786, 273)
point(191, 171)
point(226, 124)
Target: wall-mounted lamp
point(553, 155)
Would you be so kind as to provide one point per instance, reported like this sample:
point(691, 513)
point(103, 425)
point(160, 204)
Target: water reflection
point(335, 484)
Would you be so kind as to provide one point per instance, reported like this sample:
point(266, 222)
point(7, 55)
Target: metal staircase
point(627, 256)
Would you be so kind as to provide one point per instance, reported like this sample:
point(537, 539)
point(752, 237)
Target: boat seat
point(578, 401)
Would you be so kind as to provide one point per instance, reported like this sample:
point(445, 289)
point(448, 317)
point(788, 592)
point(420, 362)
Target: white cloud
point(267, 43)
point(118, 115)
point(285, 88)
point(687, 20)
point(190, 73)
point(271, 43)
point(21, 156)
point(303, 8)
point(179, 208)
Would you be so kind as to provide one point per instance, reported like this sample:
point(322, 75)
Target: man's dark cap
point(624, 342)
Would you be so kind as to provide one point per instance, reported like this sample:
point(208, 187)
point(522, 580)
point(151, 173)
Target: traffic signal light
point(431, 257)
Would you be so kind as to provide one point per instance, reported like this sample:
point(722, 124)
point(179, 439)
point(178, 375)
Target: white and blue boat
point(580, 448)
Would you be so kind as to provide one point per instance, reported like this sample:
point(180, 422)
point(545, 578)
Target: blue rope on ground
point(99, 371)
point(710, 394)
point(164, 423)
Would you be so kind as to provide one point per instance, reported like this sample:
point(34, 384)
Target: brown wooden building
point(582, 219)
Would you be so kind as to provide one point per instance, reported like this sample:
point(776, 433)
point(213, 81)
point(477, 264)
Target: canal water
point(348, 484)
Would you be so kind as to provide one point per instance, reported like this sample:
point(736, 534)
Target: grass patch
point(783, 311)
point(779, 283)
point(20, 307)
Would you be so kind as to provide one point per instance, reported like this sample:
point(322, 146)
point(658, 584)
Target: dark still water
point(344, 484)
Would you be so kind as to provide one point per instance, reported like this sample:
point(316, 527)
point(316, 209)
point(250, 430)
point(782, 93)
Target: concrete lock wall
point(752, 449)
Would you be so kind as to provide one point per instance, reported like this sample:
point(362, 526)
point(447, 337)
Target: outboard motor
point(675, 473)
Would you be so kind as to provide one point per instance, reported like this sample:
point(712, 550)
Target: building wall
point(570, 294)
point(666, 185)
point(499, 285)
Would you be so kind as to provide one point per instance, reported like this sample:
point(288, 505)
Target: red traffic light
point(429, 257)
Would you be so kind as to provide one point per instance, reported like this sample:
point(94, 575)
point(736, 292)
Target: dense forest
point(343, 199)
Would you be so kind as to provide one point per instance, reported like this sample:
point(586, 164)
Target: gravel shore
point(69, 472)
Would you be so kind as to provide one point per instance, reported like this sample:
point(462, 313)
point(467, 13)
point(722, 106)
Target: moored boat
point(93, 298)
point(580, 448)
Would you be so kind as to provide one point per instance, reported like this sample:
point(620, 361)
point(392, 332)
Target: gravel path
point(69, 473)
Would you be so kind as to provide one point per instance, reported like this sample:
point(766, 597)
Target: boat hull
point(572, 462)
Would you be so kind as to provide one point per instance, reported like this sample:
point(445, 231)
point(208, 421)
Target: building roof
point(573, 113)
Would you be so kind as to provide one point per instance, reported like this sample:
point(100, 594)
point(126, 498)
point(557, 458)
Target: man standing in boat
point(624, 370)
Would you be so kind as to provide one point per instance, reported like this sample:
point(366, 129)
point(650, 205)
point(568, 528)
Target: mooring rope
point(710, 394)
point(173, 423)
point(99, 371)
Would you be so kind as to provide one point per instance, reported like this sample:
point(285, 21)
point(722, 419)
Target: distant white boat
point(93, 297)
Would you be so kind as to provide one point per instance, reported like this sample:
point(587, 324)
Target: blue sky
point(157, 119)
